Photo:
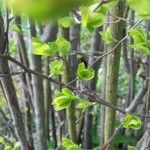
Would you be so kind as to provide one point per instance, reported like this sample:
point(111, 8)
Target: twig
point(100, 4)
point(120, 42)
point(12, 74)
point(111, 138)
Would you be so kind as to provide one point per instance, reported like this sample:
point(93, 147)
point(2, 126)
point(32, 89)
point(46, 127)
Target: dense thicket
point(75, 75)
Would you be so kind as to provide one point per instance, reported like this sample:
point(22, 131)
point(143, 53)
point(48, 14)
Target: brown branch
point(12, 74)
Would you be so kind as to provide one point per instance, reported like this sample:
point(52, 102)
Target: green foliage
point(131, 148)
point(43, 49)
point(141, 42)
point(66, 22)
point(84, 105)
point(132, 122)
point(107, 36)
point(141, 7)
point(61, 46)
point(44, 9)
point(123, 139)
point(69, 145)
point(92, 18)
point(83, 73)
point(63, 99)
point(9, 146)
point(57, 67)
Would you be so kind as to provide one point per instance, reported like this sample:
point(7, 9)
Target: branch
point(12, 74)
point(138, 98)
point(120, 42)
point(102, 2)
point(111, 138)
point(95, 98)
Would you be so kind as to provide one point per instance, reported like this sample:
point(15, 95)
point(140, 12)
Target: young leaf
point(137, 35)
point(61, 102)
point(131, 148)
point(91, 19)
point(74, 147)
point(141, 7)
point(63, 45)
point(84, 105)
point(142, 48)
point(66, 22)
point(43, 49)
point(85, 74)
point(132, 122)
point(69, 145)
point(68, 93)
point(107, 36)
point(57, 67)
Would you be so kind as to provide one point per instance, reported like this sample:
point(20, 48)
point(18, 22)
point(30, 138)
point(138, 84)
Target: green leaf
point(43, 49)
point(57, 67)
point(61, 102)
point(131, 148)
point(66, 22)
point(85, 74)
point(68, 93)
point(63, 45)
point(74, 147)
point(132, 122)
point(107, 36)
point(43, 9)
point(141, 7)
point(84, 105)
point(69, 145)
point(137, 35)
point(91, 19)
point(63, 99)
point(142, 48)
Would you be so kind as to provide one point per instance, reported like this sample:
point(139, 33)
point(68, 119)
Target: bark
point(96, 49)
point(113, 70)
point(26, 82)
point(73, 36)
point(50, 34)
point(10, 93)
point(38, 95)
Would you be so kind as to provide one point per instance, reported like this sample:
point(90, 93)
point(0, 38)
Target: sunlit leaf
point(91, 19)
point(69, 144)
point(84, 105)
point(137, 35)
point(141, 7)
point(132, 122)
point(57, 67)
point(107, 36)
point(66, 22)
point(63, 45)
point(44, 9)
point(68, 93)
point(61, 102)
point(85, 74)
point(131, 148)
point(142, 48)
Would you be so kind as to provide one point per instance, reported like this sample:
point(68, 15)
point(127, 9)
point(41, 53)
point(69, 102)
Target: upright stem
point(38, 95)
point(113, 70)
